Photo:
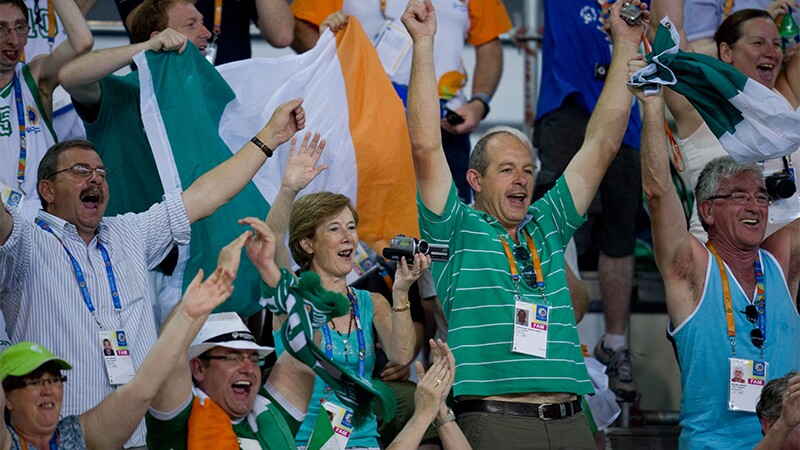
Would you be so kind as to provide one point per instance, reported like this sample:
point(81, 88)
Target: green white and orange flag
point(751, 121)
point(195, 116)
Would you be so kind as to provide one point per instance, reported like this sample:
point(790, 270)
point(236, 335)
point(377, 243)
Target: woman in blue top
point(323, 238)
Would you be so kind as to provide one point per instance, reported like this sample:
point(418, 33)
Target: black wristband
point(483, 102)
point(264, 148)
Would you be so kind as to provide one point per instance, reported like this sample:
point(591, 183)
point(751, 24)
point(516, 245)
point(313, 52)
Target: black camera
point(631, 14)
point(402, 246)
point(780, 185)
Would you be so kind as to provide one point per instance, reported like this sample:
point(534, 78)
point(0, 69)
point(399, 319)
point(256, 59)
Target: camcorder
point(631, 14)
point(402, 246)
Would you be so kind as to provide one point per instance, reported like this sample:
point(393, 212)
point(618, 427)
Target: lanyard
point(728, 7)
point(51, 21)
point(23, 148)
point(760, 302)
point(76, 267)
point(383, 10)
point(537, 266)
point(217, 20)
point(362, 346)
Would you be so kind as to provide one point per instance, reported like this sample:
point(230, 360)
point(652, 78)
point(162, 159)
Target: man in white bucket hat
point(227, 402)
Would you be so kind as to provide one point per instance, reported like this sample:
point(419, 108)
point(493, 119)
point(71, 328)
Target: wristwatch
point(262, 146)
point(484, 99)
point(451, 416)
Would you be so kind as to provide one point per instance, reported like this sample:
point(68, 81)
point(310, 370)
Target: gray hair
point(771, 400)
point(713, 172)
point(478, 159)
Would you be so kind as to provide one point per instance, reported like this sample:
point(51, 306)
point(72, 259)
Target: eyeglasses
point(527, 273)
point(39, 383)
point(236, 358)
point(756, 336)
point(83, 171)
point(742, 198)
point(20, 29)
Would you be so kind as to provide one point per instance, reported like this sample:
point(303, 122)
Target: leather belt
point(543, 411)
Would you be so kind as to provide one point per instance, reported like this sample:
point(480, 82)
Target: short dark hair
point(19, 4)
point(49, 163)
point(12, 382)
point(151, 17)
point(731, 29)
point(771, 401)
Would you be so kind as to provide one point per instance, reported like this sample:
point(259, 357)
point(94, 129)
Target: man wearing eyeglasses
point(515, 386)
point(730, 302)
point(26, 94)
point(85, 275)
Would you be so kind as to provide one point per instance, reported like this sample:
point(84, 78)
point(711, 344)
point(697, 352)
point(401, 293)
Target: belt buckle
point(562, 410)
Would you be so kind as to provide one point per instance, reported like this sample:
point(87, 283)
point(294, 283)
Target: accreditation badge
point(341, 421)
point(392, 44)
point(746, 379)
point(117, 356)
point(530, 328)
point(11, 197)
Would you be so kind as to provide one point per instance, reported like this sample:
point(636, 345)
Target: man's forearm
point(488, 67)
point(306, 35)
point(78, 33)
point(6, 225)
point(423, 103)
point(80, 76)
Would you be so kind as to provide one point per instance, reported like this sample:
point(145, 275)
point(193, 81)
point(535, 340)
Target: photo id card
point(11, 197)
point(530, 329)
point(117, 356)
point(341, 420)
point(392, 44)
point(746, 379)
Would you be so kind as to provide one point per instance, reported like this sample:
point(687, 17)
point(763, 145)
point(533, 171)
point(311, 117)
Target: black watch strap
point(264, 147)
point(478, 98)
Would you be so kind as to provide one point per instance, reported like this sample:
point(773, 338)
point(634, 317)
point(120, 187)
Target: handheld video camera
point(631, 14)
point(402, 246)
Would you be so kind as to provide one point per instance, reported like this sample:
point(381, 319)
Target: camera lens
point(422, 246)
point(780, 185)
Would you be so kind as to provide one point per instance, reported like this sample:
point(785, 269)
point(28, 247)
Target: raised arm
point(394, 325)
point(488, 70)
point(44, 69)
point(102, 425)
point(301, 169)
point(80, 77)
point(677, 254)
point(275, 21)
point(430, 165)
point(687, 119)
point(788, 82)
point(610, 117)
point(784, 244)
point(217, 186)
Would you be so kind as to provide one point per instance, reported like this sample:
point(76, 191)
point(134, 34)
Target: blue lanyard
point(76, 267)
point(362, 346)
point(23, 149)
point(761, 299)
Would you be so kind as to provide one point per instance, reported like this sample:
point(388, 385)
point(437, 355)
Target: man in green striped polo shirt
point(507, 255)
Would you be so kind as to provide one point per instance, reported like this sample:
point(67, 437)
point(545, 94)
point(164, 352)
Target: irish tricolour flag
point(196, 116)
point(751, 121)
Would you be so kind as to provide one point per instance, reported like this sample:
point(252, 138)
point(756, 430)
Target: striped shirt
point(41, 300)
point(477, 295)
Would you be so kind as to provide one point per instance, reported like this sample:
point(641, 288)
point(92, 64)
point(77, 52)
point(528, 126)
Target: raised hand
point(201, 297)
point(301, 167)
point(420, 19)
point(621, 31)
point(169, 40)
point(230, 255)
point(406, 275)
point(435, 384)
point(335, 22)
point(288, 119)
point(260, 248)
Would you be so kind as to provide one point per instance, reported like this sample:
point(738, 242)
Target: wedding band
point(438, 381)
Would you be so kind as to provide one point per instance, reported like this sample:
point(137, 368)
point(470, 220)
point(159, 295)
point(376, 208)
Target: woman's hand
point(406, 276)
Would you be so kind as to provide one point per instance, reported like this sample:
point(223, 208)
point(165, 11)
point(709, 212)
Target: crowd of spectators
point(86, 360)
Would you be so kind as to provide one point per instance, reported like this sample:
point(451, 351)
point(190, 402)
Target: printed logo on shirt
point(33, 115)
point(5, 121)
point(588, 14)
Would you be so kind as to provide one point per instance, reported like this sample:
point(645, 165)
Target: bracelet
point(402, 308)
point(264, 148)
point(450, 417)
point(484, 99)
